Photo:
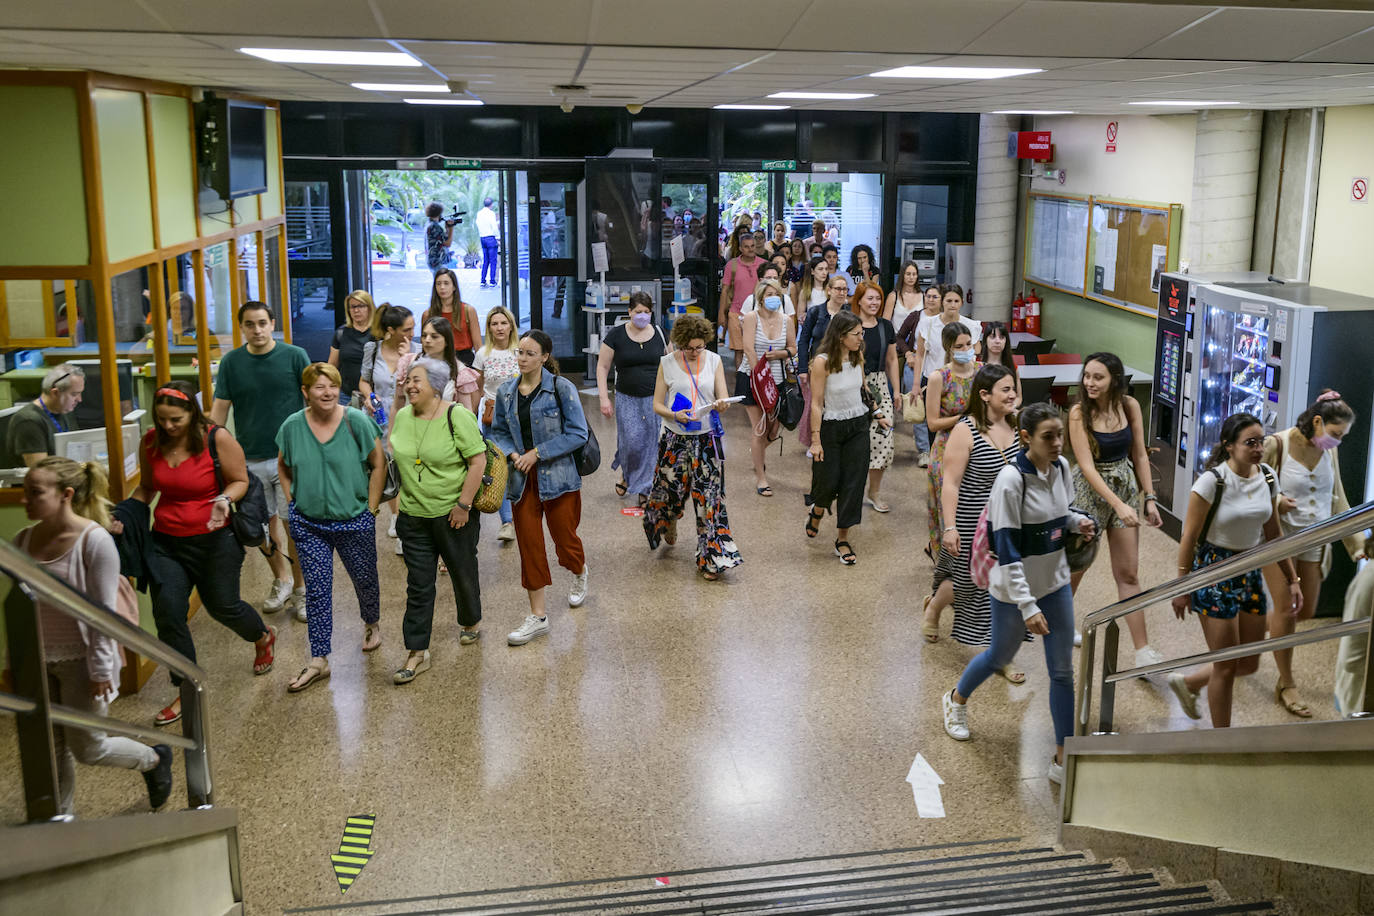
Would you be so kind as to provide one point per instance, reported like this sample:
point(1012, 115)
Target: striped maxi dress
point(972, 612)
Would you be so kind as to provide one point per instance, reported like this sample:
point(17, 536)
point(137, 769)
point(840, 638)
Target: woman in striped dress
point(980, 445)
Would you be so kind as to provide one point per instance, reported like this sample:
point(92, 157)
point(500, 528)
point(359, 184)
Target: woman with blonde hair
point(68, 505)
point(496, 364)
point(346, 349)
point(768, 336)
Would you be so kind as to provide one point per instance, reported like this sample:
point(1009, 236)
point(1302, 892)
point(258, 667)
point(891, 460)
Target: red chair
point(1018, 360)
point(1060, 359)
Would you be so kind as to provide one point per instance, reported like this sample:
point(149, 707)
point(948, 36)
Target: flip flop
point(315, 672)
point(764, 490)
point(1012, 677)
point(621, 488)
point(372, 636)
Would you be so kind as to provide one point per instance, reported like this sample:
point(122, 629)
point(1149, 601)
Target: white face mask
point(772, 303)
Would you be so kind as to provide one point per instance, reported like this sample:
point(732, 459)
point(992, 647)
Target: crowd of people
point(483, 415)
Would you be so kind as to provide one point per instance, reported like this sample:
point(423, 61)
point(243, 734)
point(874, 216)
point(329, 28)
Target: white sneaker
point(923, 460)
point(1056, 773)
point(298, 602)
point(391, 529)
point(399, 551)
point(532, 628)
point(956, 717)
point(578, 593)
point(1186, 698)
point(1077, 638)
point(507, 532)
point(277, 596)
point(1147, 655)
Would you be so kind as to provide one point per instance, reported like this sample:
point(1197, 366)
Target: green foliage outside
point(742, 192)
point(403, 196)
point(820, 193)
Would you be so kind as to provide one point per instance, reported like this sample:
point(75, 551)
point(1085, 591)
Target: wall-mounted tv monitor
point(247, 143)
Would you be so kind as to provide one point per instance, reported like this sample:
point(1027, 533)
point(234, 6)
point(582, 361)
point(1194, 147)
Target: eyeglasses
point(696, 349)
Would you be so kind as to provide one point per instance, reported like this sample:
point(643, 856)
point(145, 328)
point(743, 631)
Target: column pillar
point(994, 223)
point(1220, 224)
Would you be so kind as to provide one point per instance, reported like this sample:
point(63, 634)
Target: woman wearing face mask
point(1029, 513)
point(1230, 510)
point(947, 398)
point(812, 331)
point(768, 336)
point(1304, 458)
point(881, 378)
point(924, 361)
point(634, 349)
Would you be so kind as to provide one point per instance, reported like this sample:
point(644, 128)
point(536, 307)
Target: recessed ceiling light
point(752, 107)
point(1183, 103)
point(1031, 111)
point(444, 101)
point(955, 73)
point(401, 87)
point(836, 96)
point(353, 58)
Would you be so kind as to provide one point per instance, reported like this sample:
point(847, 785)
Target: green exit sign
point(462, 163)
point(779, 165)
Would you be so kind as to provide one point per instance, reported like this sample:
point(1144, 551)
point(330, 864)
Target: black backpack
point(248, 517)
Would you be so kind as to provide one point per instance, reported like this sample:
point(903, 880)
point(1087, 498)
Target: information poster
point(1059, 242)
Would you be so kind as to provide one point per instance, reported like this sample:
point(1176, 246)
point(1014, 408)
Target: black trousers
point(424, 541)
point(209, 563)
point(841, 476)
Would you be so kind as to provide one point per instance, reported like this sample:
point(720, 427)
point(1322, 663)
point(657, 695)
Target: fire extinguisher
point(1018, 317)
point(1032, 313)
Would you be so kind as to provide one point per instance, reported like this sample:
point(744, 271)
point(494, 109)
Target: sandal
point(879, 506)
point(468, 637)
point(764, 490)
point(1296, 707)
point(813, 523)
point(847, 556)
point(372, 636)
point(311, 673)
point(169, 714)
point(931, 631)
point(262, 662)
point(408, 674)
point(670, 536)
point(1012, 677)
point(709, 575)
point(621, 487)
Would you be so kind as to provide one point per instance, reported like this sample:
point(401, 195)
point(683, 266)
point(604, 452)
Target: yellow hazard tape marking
point(354, 850)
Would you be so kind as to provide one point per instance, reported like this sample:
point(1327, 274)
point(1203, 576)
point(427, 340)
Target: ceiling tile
point(1065, 26)
point(1260, 34)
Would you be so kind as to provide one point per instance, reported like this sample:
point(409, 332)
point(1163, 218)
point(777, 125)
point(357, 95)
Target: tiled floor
point(669, 723)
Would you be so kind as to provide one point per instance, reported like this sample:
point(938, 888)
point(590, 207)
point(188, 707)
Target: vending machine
point(1269, 350)
point(1175, 395)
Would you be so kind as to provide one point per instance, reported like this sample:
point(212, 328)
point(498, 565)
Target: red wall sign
point(1111, 136)
point(1034, 144)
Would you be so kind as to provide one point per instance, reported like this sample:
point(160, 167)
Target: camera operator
point(438, 236)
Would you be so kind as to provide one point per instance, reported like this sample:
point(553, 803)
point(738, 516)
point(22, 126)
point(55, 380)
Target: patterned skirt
point(1119, 476)
point(880, 445)
point(636, 441)
point(690, 468)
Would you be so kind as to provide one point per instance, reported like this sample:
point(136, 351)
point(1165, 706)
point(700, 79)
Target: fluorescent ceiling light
point(1031, 111)
point(752, 107)
point(401, 87)
point(1183, 103)
point(955, 73)
point(353, 58)
point(836, 96)
point(444, 101)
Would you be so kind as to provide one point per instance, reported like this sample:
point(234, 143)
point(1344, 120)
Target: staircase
point(981, 878)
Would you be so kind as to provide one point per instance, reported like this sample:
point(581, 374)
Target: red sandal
point(169, 714)
point(262, 662)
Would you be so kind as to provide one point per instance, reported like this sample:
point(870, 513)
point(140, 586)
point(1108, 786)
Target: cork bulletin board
point(1129, 245)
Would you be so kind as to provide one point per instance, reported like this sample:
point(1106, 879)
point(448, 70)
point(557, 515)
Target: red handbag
point(762, 386)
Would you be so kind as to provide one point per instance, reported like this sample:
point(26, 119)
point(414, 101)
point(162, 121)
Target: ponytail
point(89, 483)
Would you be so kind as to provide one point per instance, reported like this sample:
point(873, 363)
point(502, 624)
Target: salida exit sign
point(1030, 144)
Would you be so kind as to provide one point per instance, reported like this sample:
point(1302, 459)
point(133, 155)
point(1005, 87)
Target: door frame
point(343, 253)
point(541, 267)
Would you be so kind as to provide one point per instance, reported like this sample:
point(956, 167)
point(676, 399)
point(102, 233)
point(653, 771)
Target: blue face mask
point(963, 356)
point(772, 303)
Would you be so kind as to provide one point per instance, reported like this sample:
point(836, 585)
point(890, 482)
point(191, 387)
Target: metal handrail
point(1352, 521)
point(39, 714)
point(1347, 523)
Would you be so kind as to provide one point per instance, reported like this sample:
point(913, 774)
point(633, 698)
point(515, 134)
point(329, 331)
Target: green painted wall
point(1082, 326)
point(41, 178)
point(176, 203)
point(271, 201)
point(127, 192)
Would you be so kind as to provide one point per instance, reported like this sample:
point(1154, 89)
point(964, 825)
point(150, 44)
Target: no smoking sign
point(1359, 190)
point(1111, 136)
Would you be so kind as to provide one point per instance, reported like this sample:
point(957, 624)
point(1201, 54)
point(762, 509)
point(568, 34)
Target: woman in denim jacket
point(539, 424)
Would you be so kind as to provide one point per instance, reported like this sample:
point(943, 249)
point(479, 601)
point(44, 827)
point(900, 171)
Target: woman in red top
point(192, 546)
point(444, 302)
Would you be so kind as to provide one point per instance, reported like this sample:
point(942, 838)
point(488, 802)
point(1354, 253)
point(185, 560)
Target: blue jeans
point(1008, 632)
point(505, 503)
point(920, 430)
point(490, 259)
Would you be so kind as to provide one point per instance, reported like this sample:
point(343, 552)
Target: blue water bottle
point(378, 411)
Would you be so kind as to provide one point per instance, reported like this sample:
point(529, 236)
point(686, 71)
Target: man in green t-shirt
point(261, 381)
point(33, 429)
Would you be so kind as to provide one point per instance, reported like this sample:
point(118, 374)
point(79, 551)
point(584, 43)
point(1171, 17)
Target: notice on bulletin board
point(1159, 258)
point(1104, 262)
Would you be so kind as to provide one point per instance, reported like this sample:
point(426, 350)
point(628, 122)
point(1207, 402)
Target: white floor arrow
point(925, 788)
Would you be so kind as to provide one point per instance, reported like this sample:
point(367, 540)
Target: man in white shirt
point(488, 228)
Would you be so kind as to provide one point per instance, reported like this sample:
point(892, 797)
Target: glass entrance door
point(849, 204)
point(555, 289)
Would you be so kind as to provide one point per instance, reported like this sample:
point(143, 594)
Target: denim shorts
point(266, 471)
point(1226, 599)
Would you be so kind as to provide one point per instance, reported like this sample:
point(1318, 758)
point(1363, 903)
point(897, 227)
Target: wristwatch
point(460, 505)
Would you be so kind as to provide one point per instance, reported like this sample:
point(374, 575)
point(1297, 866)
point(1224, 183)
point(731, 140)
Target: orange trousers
point(563, 515)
